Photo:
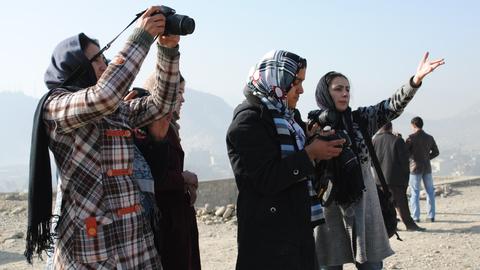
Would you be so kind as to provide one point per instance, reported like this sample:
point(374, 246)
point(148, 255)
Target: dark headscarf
point(67, 58)
point(348, 183)
point(322, 95)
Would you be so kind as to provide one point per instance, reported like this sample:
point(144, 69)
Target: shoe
point(415, 228)
point(417, 220)
point(431, 219)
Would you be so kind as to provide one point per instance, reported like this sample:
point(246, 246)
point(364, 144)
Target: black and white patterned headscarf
point(272, 78)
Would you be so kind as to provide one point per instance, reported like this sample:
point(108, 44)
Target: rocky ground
point(452, 242)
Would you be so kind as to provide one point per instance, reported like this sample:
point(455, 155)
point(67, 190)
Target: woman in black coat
point(272, 168)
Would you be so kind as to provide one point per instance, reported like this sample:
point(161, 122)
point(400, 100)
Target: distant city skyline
point(377, 44)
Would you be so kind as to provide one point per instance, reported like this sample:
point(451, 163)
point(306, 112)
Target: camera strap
point(80, 70)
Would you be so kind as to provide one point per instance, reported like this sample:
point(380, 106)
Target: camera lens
point(180, 25)
point(188, 25)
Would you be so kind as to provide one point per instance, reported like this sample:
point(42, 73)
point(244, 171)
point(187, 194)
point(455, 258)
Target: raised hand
point(152, 21)
point(426, 67)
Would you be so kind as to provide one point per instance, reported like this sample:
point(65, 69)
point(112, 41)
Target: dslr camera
point(330, 118)
point(176, 24)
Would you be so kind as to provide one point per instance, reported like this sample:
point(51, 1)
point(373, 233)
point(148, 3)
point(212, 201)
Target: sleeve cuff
point(142, 37)
point(414, 85)
point(170, 52)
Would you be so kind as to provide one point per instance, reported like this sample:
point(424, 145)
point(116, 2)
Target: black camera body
point(330, 118)
point(323, 118)
point(339, 179)
point(176, 24)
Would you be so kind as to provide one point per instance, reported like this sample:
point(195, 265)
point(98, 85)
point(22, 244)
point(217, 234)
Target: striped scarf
point(270, 80)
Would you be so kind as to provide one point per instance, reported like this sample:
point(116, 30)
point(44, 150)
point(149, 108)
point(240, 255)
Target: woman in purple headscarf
point(354, 231)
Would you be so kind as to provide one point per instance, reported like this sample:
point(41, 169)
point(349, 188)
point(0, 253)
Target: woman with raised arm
point(354, 231)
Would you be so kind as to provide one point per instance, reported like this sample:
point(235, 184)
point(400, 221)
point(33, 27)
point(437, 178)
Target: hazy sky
point(377, 44)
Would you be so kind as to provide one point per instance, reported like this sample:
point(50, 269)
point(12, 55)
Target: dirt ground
point(452, 242)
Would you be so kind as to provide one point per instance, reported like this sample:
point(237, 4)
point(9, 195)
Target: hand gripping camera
point(329, 118)
point(176, 24)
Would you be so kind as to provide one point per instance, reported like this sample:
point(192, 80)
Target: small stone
point(11, 197)
point(9, 241)
point(208, 208)
point(208, 222)
point(16, 235)
point(228, 212)
point(423, 195)
point(17, 210)
point(220, 211)
point(232, 206)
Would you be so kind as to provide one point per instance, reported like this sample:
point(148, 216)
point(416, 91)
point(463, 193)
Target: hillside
point(204, 122)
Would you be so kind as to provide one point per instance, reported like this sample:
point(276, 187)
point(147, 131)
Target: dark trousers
point(401, 204)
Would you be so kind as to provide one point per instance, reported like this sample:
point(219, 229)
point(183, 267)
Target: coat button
point(92, 232)
point(128, 133)
point(110, 172)
point(273, 209)
point(295, 172)
point(118, 60)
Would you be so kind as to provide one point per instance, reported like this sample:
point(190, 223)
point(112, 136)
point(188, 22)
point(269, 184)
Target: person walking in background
point(89, 132)
point(271, 165)
point(422, 149)
point(392, 154)
point(354, 230)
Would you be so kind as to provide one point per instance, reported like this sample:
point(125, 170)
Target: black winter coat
point(422, 148)
point(273, 206)
point(392, 153)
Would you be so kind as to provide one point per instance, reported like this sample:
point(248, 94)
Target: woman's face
point(339, 90)
point(98, 64)
point(297, 89)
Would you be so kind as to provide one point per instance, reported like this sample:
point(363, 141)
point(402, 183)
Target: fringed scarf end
point(39, 240)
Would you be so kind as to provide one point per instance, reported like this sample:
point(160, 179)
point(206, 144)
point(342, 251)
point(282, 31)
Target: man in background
point(393, 156)
point(422, 148)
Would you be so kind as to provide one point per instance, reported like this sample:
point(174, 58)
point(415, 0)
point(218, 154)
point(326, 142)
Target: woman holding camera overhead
point(265, 144)
point(88, 127)
point(354, 231)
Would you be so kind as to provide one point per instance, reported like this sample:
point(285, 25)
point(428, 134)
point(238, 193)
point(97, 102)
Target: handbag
point(384, 195)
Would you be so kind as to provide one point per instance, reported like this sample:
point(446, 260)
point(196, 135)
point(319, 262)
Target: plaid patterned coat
point(101, 224)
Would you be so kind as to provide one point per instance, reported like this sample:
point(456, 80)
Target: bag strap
point(373, 155)
point(376, 163)
point(80, 70)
